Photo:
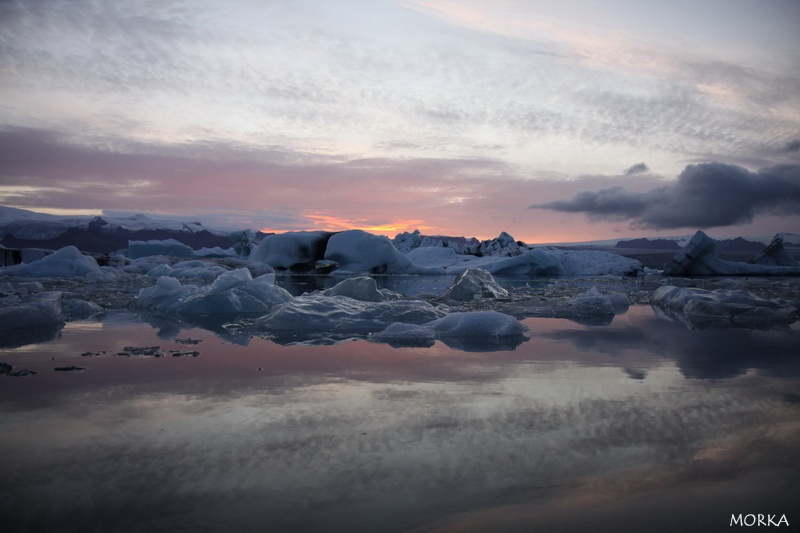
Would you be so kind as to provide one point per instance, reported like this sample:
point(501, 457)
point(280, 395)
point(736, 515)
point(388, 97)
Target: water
point(640, 424)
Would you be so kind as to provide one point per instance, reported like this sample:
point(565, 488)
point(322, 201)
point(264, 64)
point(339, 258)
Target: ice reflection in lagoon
point(642, 424)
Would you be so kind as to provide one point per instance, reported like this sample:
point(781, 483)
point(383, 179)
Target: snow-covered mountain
point(99, 234)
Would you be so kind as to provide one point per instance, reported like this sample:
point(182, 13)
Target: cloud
point(705, 196)
point(637, 169)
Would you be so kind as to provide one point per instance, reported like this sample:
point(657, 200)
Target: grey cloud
point(636, 169)
point(706, 195)
point(792, 146)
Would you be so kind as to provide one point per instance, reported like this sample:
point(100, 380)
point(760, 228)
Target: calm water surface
point(642, 424)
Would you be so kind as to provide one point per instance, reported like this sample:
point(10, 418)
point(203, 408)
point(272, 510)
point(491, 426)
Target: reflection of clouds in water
point(342, 454)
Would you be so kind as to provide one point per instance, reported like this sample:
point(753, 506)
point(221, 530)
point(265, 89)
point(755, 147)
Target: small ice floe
point(188, 340)
point(700, 308)
point(475, 331)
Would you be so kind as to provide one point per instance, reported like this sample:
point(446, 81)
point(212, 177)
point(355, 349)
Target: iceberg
point(699, 258)
point(357, 251)
point(701, 308)
point(168, 247)
point(325, 319)
point(67, 262)
point(298, 250)
point(363, 288)
point(475, 284)
point(232, 293)
point(188, 270)
point(474, 331)
point(34, 318)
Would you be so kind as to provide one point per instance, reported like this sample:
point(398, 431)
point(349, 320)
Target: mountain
point(99, 234)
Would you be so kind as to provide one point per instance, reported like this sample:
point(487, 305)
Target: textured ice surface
point(188, 270)
point(299, 249)
point(67, 262)
point(316, 316)
point(43, 308)
point(234, 292)
point(80, 309)
point(699, 258)
point(474, 284)
point(357, 251)
point(361, 288)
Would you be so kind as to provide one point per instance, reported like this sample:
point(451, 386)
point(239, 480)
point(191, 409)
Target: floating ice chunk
point(592, 302)
point(40, 309)
point(357, 251)
point(475, 284)
point(188, 270)
point(470, 331)
point(775, 254)
point(80, 309)
point(292, 250)
point(341, 314)
point(703, 308)
point(234, 292)
point(362, 288)
point(169, 247)
point(165, 296)
point(67, 262)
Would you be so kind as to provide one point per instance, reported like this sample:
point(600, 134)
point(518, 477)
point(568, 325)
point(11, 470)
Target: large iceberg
point(292, 250)
point(32, 318)
point(699, 258)
point(357, 251)
point(168, 247)
point(702, 308)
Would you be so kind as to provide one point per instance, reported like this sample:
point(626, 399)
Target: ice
point(699, 258)
point(475, 284)
point(169, 247)
point(474, 331)
point(595, 263)
point(234, 292)
point(357, 251)
point(317, 316)
point(592, 302)
point(80, 309)
point(292, 250)
point(67, 262)
point(362, 288)
point(722, 307)
point(195, 269)
point(775, 254)
point(34, 310)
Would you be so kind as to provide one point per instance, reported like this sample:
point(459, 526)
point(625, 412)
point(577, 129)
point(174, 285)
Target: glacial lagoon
point(635, 423)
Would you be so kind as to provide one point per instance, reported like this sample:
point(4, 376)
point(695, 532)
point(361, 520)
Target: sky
point(553, 121)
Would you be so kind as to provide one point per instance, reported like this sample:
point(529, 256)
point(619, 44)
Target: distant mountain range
point(100, 234)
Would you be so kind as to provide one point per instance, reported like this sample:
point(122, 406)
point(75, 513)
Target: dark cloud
point(637, 169)
point(704, 196)
point(792, 146)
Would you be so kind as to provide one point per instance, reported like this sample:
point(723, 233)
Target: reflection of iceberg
point(722, 308)
point(477, 331)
